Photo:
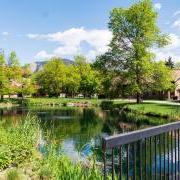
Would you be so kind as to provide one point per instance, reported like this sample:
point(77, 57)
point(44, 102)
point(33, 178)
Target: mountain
point(38, 65)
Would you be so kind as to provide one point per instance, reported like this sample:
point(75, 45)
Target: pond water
point(77, 131)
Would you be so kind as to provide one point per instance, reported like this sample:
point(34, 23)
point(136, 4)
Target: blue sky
point(40, 29)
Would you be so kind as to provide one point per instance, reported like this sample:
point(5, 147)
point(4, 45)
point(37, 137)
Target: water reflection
point(77, 131)
point(158, 158)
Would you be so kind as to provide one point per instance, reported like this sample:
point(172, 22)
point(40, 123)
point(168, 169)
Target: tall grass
point(61, 167)
point(17, 143)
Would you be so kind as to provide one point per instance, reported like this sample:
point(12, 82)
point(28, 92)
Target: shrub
point(5, 156)
point(107, 105)
point(18, 144)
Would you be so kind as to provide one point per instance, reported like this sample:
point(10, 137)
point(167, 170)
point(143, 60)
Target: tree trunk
point(2, 97)
point(169, 95)
point(138, 98)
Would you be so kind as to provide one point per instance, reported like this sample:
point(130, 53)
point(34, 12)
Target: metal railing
point(152, 153)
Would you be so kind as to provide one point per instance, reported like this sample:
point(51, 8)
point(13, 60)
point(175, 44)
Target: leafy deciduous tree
point(135, 32)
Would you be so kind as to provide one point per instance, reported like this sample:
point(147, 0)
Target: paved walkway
point(151, 101)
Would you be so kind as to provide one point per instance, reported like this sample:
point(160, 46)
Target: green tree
point(162, 77)
point(72, 81)
point(14, 74)
point(90, 81)
point(3, 75)
point(2, 58)
point(4, 82)
point(169, 63)
point(52, 77)
point(28, 82)
point(13, 59)
point(135, 32)
point(28, 87)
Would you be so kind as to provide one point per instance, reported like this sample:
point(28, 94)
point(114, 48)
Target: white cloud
point(66, 50)
point(176, 24)
point(176, 13)
point(71, 41)
point(170, 50)
point(5, 33)
point(157, 6)
point(43, 55)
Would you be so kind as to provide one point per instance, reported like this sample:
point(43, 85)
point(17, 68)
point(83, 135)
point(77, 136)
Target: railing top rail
point(130, 137)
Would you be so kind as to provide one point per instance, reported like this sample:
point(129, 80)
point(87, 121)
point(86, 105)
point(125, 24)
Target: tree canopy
point(135, 33)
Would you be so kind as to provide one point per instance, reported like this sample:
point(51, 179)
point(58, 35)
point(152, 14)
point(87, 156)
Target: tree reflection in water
point(77, 131)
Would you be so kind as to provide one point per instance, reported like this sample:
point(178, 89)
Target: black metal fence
point(152, 153)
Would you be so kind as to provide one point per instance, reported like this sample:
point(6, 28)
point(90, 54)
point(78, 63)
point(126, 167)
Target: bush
point(107, 105)
point(18, 144)
point(5, 156)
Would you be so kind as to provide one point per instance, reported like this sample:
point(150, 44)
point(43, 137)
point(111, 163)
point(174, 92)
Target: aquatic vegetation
point(17, 144)
point(60, 167)
point(18, 148)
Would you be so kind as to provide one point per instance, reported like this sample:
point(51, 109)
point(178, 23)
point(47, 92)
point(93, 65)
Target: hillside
point(38, 65)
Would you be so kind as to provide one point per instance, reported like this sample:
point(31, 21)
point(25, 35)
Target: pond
point(77, 131)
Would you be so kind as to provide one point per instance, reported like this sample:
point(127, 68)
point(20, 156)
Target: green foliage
point(15, 79)
point(135, 32)
point(52, 78)
point(73, 79)
point(4, 83)
point(56, 78)
point(162, 77)
point(18, 148)
point(107, 105)
point(14, 174)
point(60, 167)
point(169, 63)
point(5, 156)
point(18, 144)
point(28, 86)
point(59, 101)
point(90, 78)
point(2, 59)
point(13, 59)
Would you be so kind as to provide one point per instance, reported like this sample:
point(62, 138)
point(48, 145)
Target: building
point(176, 77)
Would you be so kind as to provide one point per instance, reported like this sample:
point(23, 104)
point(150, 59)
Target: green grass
point(59, 101)
point(153, 109)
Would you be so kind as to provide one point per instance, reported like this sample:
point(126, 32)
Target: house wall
point(176, 78)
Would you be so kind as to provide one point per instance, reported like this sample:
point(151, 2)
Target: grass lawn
point(155, 109)
point(59, 101)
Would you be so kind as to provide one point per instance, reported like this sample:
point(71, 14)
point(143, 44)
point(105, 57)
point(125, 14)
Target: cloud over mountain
point(71, 42)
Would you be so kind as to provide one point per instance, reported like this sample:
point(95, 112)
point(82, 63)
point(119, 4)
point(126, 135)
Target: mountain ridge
point(38, 65)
